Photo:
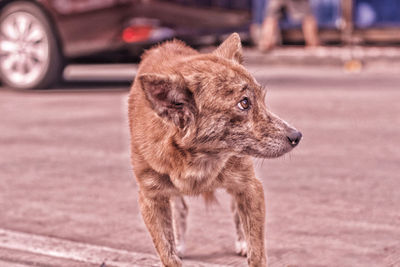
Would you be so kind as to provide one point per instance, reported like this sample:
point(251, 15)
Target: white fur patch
point(241, 248)
point(180, 249)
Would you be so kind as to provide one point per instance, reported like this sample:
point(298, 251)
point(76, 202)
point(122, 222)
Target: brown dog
point(195, 121)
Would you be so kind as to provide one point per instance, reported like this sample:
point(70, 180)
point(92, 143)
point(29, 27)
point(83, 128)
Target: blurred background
point(68, 196)
point(40, 38)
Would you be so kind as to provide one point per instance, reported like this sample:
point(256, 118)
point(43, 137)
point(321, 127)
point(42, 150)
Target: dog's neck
point(196, 167)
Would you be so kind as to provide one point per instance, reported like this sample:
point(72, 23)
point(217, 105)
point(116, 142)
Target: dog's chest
point(199, 175)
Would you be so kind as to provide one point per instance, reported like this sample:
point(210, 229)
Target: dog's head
point(216, 105)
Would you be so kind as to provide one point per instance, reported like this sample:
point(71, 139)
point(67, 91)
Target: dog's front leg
point(240, 244)
point(156, 212)
point(251, 209)
point(179, 214)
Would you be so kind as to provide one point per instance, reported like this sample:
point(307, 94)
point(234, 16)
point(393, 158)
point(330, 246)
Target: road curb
point(329, 56)
point(87, 253)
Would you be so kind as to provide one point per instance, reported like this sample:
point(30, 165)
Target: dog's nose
point(294, 137)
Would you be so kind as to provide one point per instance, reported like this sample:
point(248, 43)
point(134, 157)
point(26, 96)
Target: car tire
point(30, 54)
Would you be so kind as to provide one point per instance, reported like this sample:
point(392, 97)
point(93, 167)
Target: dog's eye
point(178, 105)
point(244, 104)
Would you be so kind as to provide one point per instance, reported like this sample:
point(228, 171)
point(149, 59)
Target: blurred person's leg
point(258, 14)
point(270, 27)
point(269, 32)
point(310, 31)
point(300, 10)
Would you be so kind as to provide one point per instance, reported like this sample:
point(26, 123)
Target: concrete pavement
point(66, 177)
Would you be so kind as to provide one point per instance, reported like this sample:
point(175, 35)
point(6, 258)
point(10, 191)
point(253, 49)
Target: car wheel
point(30, 56)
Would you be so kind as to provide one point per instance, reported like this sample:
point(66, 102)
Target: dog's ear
point(231, 49)
point(169, 98)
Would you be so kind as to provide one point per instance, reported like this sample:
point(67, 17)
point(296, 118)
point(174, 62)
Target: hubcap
point(24, 49)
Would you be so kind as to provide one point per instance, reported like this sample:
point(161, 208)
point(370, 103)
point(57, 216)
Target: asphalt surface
point(65, 176)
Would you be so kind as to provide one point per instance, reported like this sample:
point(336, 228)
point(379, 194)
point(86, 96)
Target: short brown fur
point(195, 121)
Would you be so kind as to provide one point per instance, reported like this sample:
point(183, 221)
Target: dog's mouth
point(273, 148)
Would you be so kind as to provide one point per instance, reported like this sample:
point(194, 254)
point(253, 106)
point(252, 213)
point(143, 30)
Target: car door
point(88, 26)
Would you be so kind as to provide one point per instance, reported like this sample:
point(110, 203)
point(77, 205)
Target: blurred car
point(37, 37)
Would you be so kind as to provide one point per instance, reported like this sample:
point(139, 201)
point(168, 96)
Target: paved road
point(334, 201)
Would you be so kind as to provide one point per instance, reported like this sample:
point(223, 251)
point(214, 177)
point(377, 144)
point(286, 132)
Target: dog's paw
point(174, 261)
point(180, 249)
point(241, 248)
